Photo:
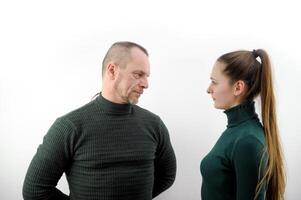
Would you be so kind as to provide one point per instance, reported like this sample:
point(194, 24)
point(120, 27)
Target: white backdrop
point(50, 61)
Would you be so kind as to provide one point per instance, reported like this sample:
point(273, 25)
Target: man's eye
point(137, 75)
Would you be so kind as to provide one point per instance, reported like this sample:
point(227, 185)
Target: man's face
point(132, 79)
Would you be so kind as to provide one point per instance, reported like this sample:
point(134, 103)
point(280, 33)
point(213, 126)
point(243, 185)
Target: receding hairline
point(120, 53)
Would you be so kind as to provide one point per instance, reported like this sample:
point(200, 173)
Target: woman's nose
point(208, 90)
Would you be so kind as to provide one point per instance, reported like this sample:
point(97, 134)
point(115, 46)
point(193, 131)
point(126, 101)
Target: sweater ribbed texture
point(108, 151)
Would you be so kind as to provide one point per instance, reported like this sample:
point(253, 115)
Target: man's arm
point(165, 163)
point(49, 163)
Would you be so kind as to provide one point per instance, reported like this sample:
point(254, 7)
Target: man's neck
point(111, 96)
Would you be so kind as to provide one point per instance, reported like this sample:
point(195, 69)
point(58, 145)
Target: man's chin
point(133, 101)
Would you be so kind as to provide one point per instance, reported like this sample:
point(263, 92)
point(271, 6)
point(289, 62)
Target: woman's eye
point(213, 82)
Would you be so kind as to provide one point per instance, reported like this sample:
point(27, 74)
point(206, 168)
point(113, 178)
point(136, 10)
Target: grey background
point(51, 54)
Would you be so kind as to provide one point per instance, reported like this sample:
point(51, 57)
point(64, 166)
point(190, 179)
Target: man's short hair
point(120, 53)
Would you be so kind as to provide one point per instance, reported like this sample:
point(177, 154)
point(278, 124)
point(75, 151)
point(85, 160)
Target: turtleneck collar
point(111, 107)
point(240, 113)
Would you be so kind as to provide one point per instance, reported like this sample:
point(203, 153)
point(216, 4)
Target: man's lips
point(139, 92)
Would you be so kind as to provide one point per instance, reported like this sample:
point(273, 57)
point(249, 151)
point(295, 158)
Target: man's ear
point(111, 71)
point(239, 88)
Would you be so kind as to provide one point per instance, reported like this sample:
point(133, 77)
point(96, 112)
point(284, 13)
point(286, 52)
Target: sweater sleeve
point(165, 163)
point(50, 162)
point(247, 157)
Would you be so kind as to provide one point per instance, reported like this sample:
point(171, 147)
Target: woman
point(247, 161)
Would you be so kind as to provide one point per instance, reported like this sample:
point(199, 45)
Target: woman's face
point(220, 88)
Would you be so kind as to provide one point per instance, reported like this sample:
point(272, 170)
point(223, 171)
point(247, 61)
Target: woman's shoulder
point(250, 130)
point(248, 143)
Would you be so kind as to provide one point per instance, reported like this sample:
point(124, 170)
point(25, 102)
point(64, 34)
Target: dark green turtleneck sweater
point(108, 151)
point(231, 169)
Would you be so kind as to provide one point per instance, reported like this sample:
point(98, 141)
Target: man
point(109, 149)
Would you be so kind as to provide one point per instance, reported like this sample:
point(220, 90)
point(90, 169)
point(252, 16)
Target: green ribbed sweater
point(108, 151)
point(231, 169)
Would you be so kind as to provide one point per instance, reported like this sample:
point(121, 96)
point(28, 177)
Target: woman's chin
point(217, 106)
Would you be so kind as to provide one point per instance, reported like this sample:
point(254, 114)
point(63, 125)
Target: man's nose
point(144, 83)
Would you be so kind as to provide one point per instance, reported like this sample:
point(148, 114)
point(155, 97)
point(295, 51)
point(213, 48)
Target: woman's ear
point(239, 88)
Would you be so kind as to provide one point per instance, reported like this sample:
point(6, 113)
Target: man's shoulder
point(80, 112)
point(142, 112)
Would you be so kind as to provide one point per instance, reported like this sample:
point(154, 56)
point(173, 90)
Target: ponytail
point(274, 176)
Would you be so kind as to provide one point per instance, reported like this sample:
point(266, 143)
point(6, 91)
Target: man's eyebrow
point(140, 71)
